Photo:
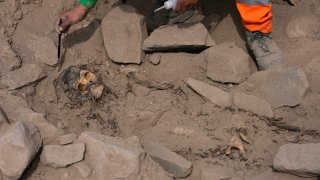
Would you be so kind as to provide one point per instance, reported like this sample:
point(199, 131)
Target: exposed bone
point(97, 91)
point(244, 138)
point(235, 143)
point(86, 77)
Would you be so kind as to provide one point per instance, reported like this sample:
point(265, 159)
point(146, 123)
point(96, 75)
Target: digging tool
point(59, 42)
point(60, 60)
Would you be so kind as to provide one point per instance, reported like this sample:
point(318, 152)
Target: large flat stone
point(18, 110)
point(271, 175)
point(42, 49)
point(303, 26)
point(299, 159)
point(213, 94)
point(61, 156)
point(179, 38)
point(123, 32)
point(18, 146)
point(111, 158)
point(27, 74)
point(168, 160)
point(227, 63)
point(279, 86)
point(253, 104)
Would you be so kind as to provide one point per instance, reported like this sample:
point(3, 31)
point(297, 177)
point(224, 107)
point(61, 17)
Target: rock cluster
point(18, 146)
point(117, 158)
point(18, 110)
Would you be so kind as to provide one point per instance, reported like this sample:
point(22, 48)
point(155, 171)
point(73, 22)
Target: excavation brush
point(59, 41)
point(170, 4)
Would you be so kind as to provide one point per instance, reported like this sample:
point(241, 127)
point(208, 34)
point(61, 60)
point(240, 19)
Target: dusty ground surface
point(173, 115)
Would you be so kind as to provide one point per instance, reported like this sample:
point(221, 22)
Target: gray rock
point(211, 21)
point(270, 175)
point(298, 159)
point(67, 139)
point(179, 37)
point(279, 86)
point(111, 158)
point(23, 76)
point(8, 58)
point(18, 146)
point(46, 130)
point(43, 49)
point(152, 171)
point(213, 94)
point(115, 158)
point(123, 32)
point(83, 169)
point(61, 156)
point(216, 173)
point(313, 72)
point(227, 63)
point(168, 160)
point(304, 26)
point(18, 110)
point(289, 2)
point(154, 58)
point(113, 3)
point(253, 104)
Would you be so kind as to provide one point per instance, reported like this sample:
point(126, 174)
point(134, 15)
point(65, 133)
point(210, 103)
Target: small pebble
point(67, 139)
point(83, 169)
point(154, 59)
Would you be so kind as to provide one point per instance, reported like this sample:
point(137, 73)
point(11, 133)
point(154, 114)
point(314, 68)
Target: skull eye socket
point(87, 75)
point(81, 87)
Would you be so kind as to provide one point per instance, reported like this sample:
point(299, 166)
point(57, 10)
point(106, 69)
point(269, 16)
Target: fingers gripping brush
point(170, 4)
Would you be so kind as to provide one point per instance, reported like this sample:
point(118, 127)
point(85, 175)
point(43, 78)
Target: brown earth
point(155, 103)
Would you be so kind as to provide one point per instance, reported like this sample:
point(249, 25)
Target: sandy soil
point(174, 115)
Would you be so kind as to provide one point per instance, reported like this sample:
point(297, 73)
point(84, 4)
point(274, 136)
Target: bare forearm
point(71, 17)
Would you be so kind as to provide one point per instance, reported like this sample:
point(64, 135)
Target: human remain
point(256, 17)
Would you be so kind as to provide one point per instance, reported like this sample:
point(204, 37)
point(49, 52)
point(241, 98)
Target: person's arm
point(74, 15)
point(186, 5)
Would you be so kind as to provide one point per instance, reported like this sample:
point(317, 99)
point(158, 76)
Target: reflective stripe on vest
point(254, 2)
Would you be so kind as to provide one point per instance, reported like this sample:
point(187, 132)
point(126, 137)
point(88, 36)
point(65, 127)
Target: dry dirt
point(155, 103)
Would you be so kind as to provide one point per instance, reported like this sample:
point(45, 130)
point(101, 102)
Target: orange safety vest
point(256, 15)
